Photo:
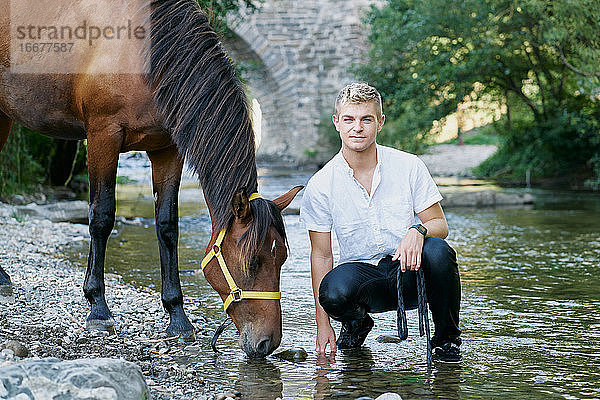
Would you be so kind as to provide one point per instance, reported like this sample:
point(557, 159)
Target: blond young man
point(369, 195)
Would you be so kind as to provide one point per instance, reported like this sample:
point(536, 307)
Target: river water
point(530, 312)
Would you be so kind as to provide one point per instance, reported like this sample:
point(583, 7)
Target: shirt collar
point(343, 164)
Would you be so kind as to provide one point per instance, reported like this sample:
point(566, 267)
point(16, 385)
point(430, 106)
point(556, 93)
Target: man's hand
point(325, 334)
point(409, 251)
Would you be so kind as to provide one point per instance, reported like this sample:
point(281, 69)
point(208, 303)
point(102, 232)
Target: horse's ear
point(241, 205)
point(284, 200)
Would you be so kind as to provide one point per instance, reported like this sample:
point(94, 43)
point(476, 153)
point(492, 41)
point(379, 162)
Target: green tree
point(573, 28)
point(217, 10)
point(538, 57)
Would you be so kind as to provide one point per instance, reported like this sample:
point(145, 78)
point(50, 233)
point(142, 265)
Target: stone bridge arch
point(295, 56)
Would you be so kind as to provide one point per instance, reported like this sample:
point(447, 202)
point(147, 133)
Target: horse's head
point(253, 250)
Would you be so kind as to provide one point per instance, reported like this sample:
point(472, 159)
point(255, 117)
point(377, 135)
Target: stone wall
point(298, 54)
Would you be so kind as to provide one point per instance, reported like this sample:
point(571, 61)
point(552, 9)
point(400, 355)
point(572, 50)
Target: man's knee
point(439, 256)
point(335, 291)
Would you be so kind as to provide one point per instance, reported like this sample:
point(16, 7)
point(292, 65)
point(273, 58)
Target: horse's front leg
point(166, 176)
point(103, 157)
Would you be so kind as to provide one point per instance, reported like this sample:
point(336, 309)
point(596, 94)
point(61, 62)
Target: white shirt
point(368, 227)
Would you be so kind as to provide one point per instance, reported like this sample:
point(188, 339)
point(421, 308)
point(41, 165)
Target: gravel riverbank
point(48, 313)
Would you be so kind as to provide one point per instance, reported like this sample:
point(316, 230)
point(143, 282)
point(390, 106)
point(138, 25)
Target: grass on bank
point(483, 135)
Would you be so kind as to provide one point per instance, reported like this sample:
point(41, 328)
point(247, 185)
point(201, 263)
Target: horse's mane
point(204, 107)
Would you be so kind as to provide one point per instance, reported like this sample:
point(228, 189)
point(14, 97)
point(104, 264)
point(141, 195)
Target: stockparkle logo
point(80, 36)
point(84, 31)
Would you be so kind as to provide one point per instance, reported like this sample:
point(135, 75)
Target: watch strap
point(420, 228)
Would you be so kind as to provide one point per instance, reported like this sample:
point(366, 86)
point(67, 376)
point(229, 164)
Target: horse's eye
point(254, 263)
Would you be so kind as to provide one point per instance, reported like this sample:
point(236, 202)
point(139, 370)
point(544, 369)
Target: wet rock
point(17, 199)
point(75, 379)
point(388, 339)
point(66, 211)
point(365, 398)
point(17, 348)
point(485, 198)
point(389, 396)
point(297, 354)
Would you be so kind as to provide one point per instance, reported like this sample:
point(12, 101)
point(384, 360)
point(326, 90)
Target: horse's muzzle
point(261, 347)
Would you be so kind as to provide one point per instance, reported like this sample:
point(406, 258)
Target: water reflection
point(355, 373)
point(259, 379)
point(529, 314)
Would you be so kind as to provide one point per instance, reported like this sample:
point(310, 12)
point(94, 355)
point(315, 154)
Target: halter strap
point(235, 293)
point(254, 196)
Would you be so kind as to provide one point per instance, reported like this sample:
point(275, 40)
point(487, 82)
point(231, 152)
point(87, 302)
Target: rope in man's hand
point(422, 309)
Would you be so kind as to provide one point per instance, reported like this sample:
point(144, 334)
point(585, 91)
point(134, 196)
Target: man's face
point(358, 125)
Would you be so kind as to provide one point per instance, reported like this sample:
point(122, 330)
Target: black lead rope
point(423, 312)
point(220, 329)
point(422, 309)
point(401, 313)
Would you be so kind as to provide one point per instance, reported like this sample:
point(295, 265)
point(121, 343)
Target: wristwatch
point(420, 228)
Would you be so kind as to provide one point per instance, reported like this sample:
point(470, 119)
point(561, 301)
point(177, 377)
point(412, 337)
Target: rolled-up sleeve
point(424, 190)
point(314, 210)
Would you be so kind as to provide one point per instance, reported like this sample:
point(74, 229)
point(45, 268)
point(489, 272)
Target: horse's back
point(101, 82)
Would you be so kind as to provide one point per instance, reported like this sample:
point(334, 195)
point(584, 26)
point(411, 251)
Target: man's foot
point(354, 333)
point(447, 352)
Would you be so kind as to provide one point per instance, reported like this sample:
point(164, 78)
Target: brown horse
point(177, 99)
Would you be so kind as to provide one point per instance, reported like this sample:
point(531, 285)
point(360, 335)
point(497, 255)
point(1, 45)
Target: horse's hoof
point(188, 336)
point(6, 294)
point(101, 325)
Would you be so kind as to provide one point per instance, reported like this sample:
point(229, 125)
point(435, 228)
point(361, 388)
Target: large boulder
point(51, 378)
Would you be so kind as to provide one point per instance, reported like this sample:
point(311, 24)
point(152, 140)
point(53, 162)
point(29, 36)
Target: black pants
point(351, 290)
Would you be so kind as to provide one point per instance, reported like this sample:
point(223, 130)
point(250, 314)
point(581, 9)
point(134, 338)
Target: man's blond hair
point(358, 93)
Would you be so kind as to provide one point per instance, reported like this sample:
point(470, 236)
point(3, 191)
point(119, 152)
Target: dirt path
point(455, 160)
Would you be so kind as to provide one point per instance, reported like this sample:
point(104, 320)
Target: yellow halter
point(236, 294)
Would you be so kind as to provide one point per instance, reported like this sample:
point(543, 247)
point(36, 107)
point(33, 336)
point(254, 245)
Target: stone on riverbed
point(99, 378)
point(18, 349)
point(297, 354)
point(388, 339)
